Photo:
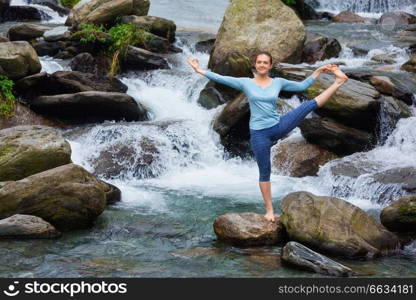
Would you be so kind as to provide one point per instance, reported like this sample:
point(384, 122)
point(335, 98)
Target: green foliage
point(123, 35)
point(7, 100)
point(90, 33)
point(69, 3)
point(289, 2)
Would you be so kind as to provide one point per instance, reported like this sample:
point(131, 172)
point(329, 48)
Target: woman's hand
point(326, 68)
point(322, 69)
point(194, 63)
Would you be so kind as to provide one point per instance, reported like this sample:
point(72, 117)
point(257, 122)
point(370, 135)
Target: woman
point(266, 125)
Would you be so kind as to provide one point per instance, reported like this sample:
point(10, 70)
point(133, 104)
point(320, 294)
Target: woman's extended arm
point(234, 82)
point(295, 86)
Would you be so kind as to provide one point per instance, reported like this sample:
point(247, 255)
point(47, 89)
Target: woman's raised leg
point(340, 79)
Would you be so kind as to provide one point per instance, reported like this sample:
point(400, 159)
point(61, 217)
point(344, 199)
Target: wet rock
point(86, 63)
point(300, 256)
point(23, 13)
point(25, 116)
point(26, 32)
point(396, 18)
point(384, 59)
point(298, 158)
point(334, 226)
point(232, 124)
point(43, 48)
point(18, 59)
point(410, 65)
point(73, 82)
point(26, 227)
point(277, 30)
point(141, 60)
point(205, 46)
point(57, 34)
point(159, 26)
point(137, 159)
point(335, 137)
point(348, 16)
point(394, 183)
point(304, 10)
point(400, 216)
point(382, 84)
point(68, 197)
point(248, 229)
point(318, 47)
point(87, 107)
point(112, 193)
point(234, 64)
point(26, 150)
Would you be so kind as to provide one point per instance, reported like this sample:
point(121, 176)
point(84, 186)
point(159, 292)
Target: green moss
point(69, 3)
point(7, 100)
point(408, 210)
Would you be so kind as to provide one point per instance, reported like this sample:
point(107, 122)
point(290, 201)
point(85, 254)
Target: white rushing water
point(369, 8)
point(55, 18)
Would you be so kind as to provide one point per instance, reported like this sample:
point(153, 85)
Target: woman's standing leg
point(260, 145)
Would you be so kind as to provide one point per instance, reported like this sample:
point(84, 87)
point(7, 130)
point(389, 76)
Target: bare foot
point(341, 78)
point(270, 217)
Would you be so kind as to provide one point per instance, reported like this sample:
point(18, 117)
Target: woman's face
point(263, 64)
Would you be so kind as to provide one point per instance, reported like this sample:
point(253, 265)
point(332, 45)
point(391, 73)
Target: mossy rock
point(400, 216)
point(30, 149)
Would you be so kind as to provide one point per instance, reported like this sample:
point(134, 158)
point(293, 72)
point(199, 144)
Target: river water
point(163, 225)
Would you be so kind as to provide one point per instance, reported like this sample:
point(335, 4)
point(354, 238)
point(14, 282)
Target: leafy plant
point(122, 36)
point(90, 33)
point(7, 100)
point(69, 3)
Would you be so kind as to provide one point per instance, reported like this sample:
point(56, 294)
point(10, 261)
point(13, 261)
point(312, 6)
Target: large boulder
point(335, 137)
point(318, 47)
point(26, 150)
point(400, 216)
point(252, 25)
point(349, 17)
point(67, 82)
point(232, 124)
point(18, 59)
point(26, 227)
point(302, 257)
point(297, 158)
point(248, 229)
point(396, 18)
point(159, 26)
point(43, 48)
point(68, 197)
point(26, 32)
point(233, 64)
point(335, 226)
point(354, 104)
point(93, 106)
point(105, 11)
point(25, 116)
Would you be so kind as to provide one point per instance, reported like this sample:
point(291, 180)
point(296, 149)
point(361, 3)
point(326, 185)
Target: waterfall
point(48, 14)
point(366, 6)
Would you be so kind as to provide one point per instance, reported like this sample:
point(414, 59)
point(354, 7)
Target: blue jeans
point(262, 140)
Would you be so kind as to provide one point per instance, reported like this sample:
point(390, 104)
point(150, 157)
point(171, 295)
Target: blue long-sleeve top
point(262, 101)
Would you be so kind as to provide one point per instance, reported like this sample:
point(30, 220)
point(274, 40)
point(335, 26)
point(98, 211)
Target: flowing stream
point(163, 225)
